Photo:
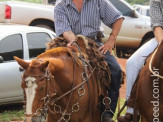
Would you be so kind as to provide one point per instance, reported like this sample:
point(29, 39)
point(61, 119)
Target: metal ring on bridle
point(105, 99)
point(27, 83)
point(64, 115)
point(46, 99)
point(75, 107)
point(81, 91)
point(57, 107)
point(38, 112)
point(84, 76)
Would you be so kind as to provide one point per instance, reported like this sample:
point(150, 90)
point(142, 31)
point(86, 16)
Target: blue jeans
point(115, 78)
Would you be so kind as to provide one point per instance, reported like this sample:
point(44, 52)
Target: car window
point(37, 43)
point(51, 1)
point(125, 10)
point(147, 12)
point(11, 46)
point(138, 9)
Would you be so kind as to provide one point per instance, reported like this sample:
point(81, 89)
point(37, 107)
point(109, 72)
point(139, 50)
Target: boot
point(106, 117)
point(126, 118)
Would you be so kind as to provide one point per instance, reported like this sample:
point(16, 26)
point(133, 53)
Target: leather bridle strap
point(85, 70)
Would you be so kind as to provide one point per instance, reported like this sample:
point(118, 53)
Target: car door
point(10, 75)
point(130, 33)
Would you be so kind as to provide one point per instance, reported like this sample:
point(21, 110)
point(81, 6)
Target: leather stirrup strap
point(119, 113)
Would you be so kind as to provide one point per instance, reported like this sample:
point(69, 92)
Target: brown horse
point(62, 85)
point(149, 96)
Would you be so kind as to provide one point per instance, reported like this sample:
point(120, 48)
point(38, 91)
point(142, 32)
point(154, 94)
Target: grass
point(16, 112)
point(122, 100)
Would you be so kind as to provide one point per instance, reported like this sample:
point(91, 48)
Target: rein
point(150, 66)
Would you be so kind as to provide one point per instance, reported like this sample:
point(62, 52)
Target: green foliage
point(31, 1)
point(142, 2)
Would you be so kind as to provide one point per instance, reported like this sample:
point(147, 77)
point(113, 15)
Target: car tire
point(145, 41)
point(45, 24)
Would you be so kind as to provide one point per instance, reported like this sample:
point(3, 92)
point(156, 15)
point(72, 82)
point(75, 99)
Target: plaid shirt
point(86, 22)
point(156, 13)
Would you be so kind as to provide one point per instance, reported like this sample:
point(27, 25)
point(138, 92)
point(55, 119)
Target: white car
point(143, 10)
point(25, 42)
point(136, 28)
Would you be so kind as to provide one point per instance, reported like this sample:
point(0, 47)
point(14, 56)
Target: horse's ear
point(81, 41)
point(21, 62)
point(44, 65)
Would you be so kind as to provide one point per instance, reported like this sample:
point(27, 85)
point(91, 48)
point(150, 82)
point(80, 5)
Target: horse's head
point(35, 86)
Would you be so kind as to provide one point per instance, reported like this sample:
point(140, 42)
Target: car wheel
point(145, 41)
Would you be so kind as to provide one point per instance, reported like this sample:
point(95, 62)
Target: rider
point(84, 17)
point(136, 61)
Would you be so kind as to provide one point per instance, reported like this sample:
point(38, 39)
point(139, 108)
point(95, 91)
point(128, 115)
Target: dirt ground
point(122, 62)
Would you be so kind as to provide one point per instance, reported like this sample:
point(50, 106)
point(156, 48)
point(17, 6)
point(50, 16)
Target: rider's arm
point(112, 38)
point(113, 18)
point(70, 37)
point(62, 25)
point(158, 32)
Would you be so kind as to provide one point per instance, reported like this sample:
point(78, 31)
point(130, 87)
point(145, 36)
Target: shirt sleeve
point(61, 21)
point(156, 14)
point(109, 14)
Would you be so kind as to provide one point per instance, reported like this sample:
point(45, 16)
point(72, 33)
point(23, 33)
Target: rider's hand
point(108, 46)
point(72, 46)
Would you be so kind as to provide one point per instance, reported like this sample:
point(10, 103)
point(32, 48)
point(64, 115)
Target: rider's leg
point(115, 83)
point(134, 65)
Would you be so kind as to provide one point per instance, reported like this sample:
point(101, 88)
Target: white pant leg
point(135, 63)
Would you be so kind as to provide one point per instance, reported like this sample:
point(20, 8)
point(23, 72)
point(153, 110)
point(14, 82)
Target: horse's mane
point(94, 57)
point(53, 52)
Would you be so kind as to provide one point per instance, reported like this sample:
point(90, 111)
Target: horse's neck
point(62, 70)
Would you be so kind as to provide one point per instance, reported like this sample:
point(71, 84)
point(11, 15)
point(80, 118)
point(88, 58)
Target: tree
point(142, 2)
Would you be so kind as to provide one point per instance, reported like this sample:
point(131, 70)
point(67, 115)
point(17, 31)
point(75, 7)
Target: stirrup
point(106, 110)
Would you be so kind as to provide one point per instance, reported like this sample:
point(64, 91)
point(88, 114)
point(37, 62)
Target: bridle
point(65, 115)
point(46, 99)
